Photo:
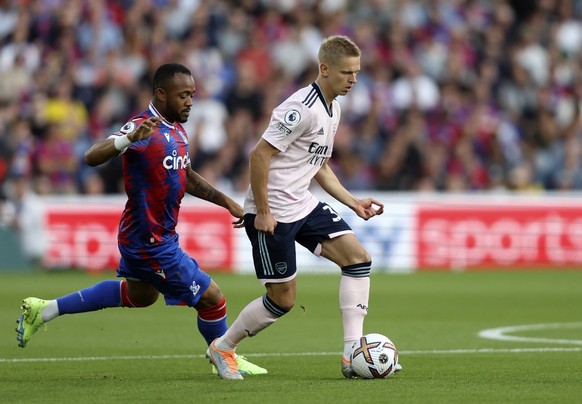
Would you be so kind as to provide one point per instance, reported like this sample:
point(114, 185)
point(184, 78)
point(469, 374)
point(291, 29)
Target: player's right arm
point(104, 150)
point(259, 163)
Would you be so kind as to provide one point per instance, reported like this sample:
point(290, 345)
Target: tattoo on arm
point(200, 188)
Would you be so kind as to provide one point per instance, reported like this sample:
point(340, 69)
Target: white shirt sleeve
point(288, 122)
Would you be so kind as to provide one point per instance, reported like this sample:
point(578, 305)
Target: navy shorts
point(274, 256)
point(169, 269)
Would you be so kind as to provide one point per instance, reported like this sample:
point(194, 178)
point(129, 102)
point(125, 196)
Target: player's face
point(342, 76)
point(178, 97)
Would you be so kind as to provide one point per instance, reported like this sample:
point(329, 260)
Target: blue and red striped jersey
point(154, 174)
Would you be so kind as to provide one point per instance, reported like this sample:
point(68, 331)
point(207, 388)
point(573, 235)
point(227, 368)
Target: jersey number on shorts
point(337, 217)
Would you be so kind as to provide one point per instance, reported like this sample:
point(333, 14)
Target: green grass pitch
point(155, 355)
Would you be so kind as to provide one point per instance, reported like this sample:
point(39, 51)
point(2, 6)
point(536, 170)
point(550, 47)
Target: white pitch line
point(286, 354)
point(499, 334)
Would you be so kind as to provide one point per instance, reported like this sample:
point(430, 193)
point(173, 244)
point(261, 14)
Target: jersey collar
point(155, 112)
point(322, 99)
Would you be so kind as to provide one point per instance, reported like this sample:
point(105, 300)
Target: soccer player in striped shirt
point(280, 210)
point(156, 169)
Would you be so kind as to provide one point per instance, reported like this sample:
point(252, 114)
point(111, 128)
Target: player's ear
point(161, 94)
point(324, 69)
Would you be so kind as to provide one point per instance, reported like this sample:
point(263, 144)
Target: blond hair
point(336, 47)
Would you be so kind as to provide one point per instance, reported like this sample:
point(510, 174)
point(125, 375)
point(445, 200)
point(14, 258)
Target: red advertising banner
point(479, 236)
point(86, 236)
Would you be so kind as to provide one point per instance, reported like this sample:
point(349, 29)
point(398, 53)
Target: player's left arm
point(200, 188)
point(364, 208)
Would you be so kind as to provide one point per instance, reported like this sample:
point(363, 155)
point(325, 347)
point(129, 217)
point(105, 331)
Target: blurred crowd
point(453, 95)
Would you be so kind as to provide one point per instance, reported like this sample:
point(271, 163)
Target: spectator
point(245, 94)
point(206, 126)
point(77, 64)
point(415, 90)
point(57, 161)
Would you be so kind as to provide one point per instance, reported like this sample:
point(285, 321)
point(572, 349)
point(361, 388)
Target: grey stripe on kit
point(272, 308)
point(264, 254)
point(357, 272)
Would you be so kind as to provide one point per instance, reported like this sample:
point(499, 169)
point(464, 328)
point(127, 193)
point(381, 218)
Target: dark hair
point(165, 72)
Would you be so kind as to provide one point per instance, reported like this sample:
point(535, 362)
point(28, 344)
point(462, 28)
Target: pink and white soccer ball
point(374, 356)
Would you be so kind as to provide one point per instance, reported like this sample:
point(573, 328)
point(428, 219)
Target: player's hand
point(265, 223)
point(366, 208)
point(145, 130)
point(237, 211)
point(240, 222)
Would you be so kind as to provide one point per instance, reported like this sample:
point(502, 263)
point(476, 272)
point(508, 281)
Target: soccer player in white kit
point(279, 208)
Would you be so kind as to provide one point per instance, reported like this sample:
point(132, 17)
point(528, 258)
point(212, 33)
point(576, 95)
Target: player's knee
point(347, 251)
point(359, 256)
point(365, 256)
point(211, 297)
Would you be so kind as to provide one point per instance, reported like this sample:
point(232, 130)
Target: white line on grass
point(499, 334)
point(284, 354)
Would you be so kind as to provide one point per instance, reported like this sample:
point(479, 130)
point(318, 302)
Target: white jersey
point(302, 128)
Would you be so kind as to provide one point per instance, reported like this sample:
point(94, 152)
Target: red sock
point(213, 313)
point(212, 321)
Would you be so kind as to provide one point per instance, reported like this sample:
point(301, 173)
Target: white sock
point(51, 311)
point(348, 349)
point(353, 298)
point(251, 320)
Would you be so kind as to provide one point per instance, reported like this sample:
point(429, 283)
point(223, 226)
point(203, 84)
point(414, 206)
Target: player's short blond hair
point(336, 47)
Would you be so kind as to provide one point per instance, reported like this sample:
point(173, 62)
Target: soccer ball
point(374, 356)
